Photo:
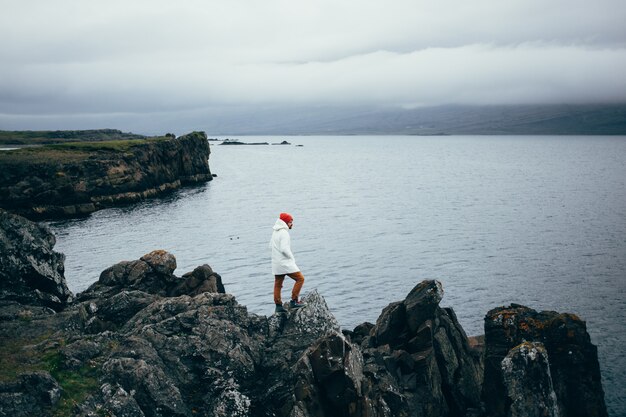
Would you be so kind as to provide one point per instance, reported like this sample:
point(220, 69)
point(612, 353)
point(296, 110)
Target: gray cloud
point(148, 57)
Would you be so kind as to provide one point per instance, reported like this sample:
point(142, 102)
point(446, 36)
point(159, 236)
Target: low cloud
point(89, 58)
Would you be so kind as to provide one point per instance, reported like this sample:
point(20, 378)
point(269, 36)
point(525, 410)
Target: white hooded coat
point(283, 261)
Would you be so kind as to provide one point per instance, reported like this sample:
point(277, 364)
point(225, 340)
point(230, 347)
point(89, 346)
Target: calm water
point(539, 221)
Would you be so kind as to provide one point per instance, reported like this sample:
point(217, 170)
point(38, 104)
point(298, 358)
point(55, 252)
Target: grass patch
point(77, 384)
point(15, 359)
point(41, 155)
point(70, 151)
point(110, 145)
point(34, 137)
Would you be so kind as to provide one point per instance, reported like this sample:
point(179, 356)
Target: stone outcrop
point(573, 360)
point(65, 188)
point(143, 342)
point(418, 359)
point(31, 272)
point(527, 382)
point(154, 274)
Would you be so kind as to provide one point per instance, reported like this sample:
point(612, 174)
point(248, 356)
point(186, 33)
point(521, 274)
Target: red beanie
point(286, 217)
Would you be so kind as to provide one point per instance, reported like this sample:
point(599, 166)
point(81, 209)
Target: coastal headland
point(142, 341)
point(68, 173)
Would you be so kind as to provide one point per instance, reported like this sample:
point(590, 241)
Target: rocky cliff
point(77, 179)
point(143, 342)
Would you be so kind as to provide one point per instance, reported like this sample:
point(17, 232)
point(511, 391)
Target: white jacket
point(283, 261)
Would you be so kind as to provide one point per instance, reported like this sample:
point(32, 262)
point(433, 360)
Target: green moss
point(77, 384)
point(20, 356)
point(16, 359)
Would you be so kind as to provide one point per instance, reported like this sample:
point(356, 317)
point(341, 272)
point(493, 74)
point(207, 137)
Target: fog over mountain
point(135, 65)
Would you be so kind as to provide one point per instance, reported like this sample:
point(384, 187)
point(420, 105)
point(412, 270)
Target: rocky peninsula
point(71, 177)
point(142, 341)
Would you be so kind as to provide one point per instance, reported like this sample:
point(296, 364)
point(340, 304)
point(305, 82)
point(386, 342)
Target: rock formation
point(63, 188)
point(143, 342)
point(527, 380)
point(31, 272)
point(573, 360)
point(418, 359)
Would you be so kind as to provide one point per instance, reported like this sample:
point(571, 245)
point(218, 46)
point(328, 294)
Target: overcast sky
point(66, 60)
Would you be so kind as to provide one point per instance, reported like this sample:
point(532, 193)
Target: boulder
point(573, 359)
point(31, 272)
point(162, 262)
point(202, 279)
point(153, 273)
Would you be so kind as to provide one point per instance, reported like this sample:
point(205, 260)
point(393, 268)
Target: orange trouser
point(278, 285)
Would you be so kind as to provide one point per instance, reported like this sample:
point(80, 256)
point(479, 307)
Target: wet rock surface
point(144, 342)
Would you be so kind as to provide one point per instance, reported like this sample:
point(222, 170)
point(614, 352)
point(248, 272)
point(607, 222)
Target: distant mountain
point(443, 120)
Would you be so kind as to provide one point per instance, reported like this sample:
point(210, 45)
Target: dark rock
point(421, 351)
point(574, 366)
point(391, 325)
point(112, 400)
point(31, 272)
point(289, 336)
point(78, 353)
point(13, 310)
point(154, 391)
point(232, 142)
point(422, 302)
point(202, 279)
point(527, 381)
point(32, 394)
point(153, 274)
point(329, 378)
point(106, 309)
point(361, 333)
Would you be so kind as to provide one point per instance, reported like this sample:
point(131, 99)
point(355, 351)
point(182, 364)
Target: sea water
point(534, 220)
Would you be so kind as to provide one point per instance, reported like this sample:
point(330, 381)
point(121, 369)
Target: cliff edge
point(77, 178)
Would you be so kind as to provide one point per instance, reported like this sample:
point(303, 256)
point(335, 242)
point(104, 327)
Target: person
point(284, 263)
